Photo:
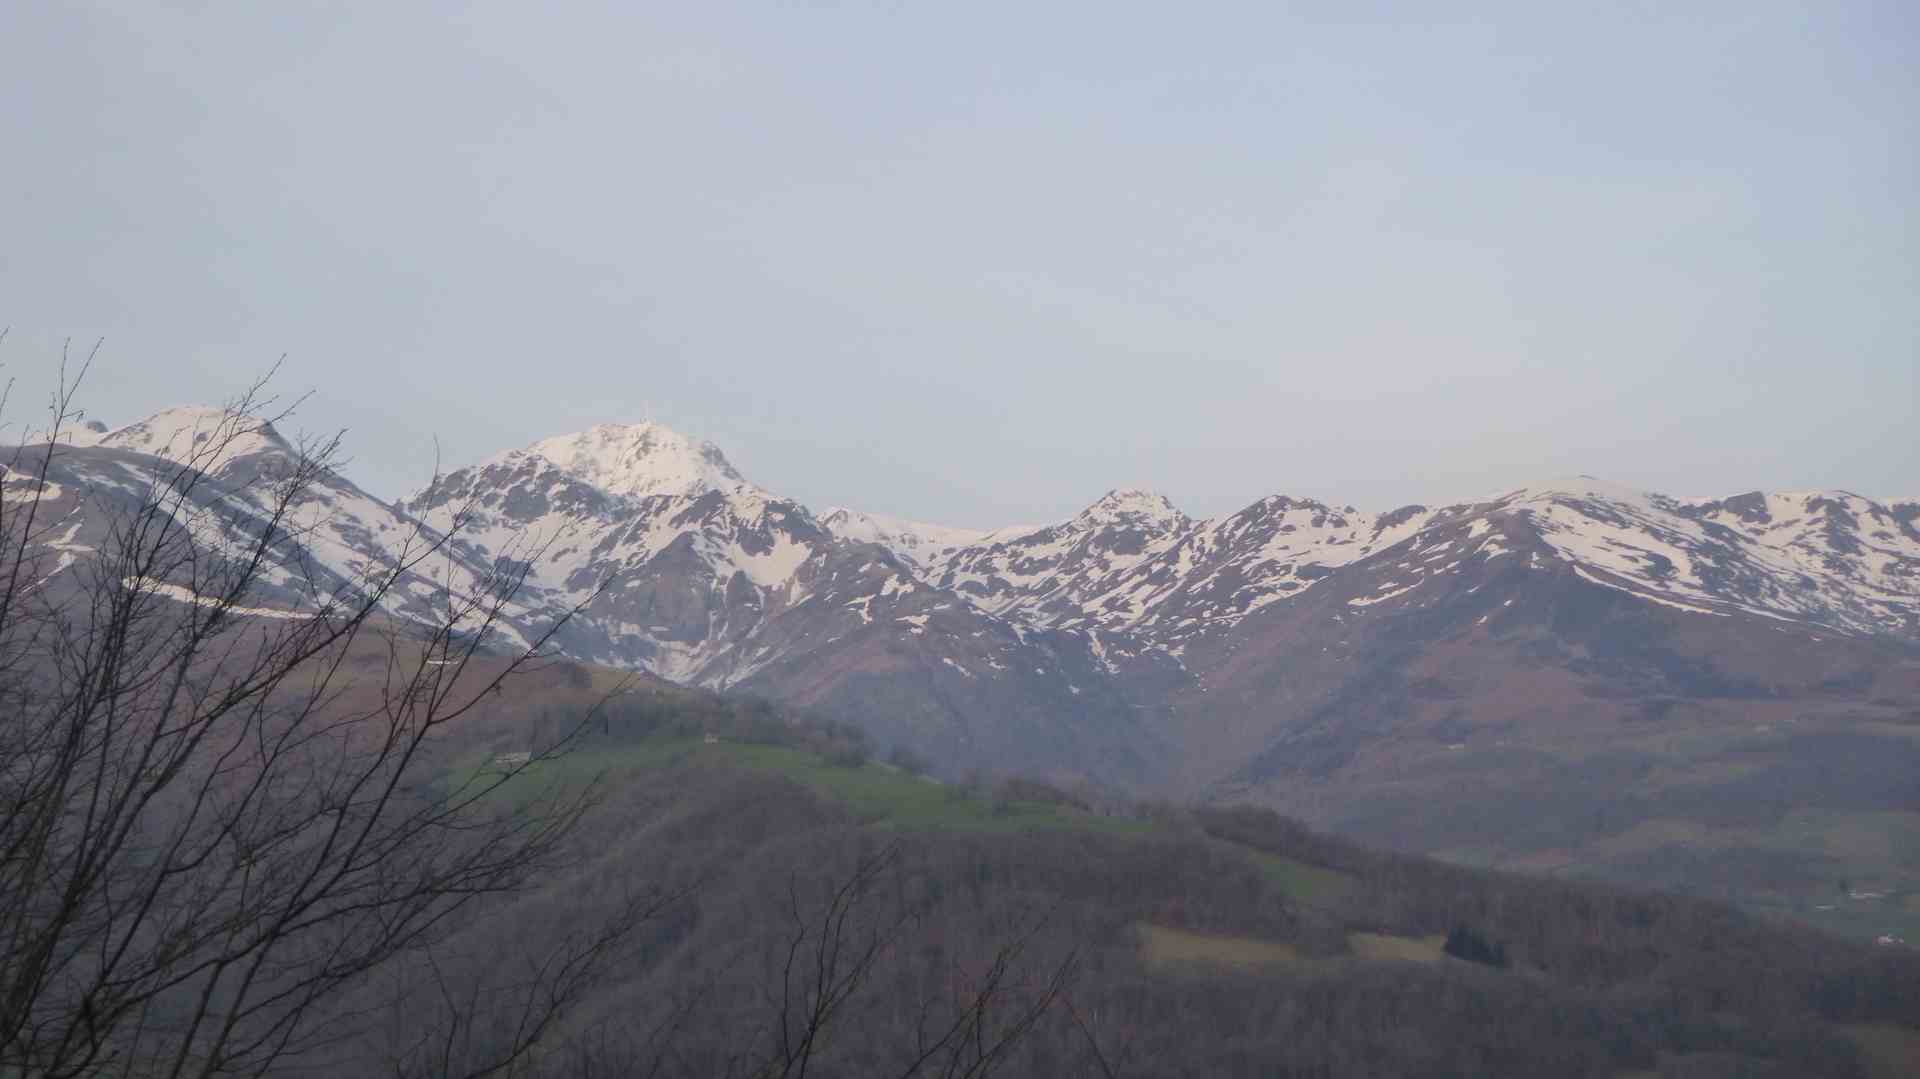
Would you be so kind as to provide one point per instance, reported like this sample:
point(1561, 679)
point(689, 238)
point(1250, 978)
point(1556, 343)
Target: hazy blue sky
point(980, 262)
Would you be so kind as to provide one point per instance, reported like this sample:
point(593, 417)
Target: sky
point(979, 263)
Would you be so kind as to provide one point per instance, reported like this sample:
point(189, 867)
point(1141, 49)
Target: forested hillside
point(1120, 939)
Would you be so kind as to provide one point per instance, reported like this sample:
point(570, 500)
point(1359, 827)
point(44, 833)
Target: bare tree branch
point(211, 823)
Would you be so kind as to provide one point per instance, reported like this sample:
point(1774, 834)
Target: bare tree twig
point(209, 828)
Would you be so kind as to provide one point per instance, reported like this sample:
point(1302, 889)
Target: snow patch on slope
point(915, 541)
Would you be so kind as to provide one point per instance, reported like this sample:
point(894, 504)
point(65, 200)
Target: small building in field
point(516, 759)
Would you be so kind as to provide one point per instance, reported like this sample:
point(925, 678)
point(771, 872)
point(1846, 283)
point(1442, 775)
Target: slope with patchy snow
point(337, 539)
point(1133, 564)
point(691, 555)
point(915, 541)
point(698, 575)
point(1049, 576)
point(1827, 558)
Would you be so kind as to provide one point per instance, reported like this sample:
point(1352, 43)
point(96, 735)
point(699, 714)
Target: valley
point(1717, 696)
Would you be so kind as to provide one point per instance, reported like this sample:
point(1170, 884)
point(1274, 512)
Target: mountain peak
point(1283, 503)
point(1133, 506)
point(641, 459)
point(1581, 487)
point(190, 434)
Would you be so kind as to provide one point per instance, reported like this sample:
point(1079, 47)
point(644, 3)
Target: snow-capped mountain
point(208, 438)
point(637, 460)
point(706, 578)
point(1314, 637)
point(1133, 563)
point(1051, 575)
point(980, 644)
point(1828, 559)
point(343, 538)
point(693, 558)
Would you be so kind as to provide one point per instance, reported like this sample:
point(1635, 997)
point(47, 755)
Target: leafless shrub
point(211, 825)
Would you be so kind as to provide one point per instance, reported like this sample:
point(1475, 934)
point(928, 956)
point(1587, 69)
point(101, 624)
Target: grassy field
point(1161, 946)
point(1308, 884)
point(1401, 949)
point(879, 793)
point(889, 796)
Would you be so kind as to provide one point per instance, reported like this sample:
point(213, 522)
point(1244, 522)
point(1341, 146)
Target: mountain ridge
point(1131, 561)
point(712, 580)
point(1523, 673)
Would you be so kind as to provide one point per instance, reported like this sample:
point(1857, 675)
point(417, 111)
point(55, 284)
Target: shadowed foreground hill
point(1162, 942)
